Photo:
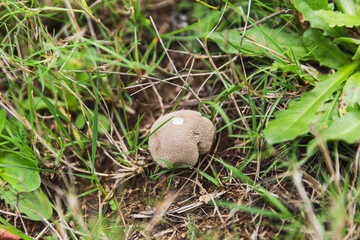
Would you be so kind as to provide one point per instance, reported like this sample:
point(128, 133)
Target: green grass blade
point(10, 228)
point(208, 177)
point(250, 209)
point(95, 125)
point(265, 193)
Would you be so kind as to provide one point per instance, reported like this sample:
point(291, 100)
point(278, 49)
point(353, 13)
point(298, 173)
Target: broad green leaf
point(105, 122)
point(229, 41)
point(316, 4)
point(346, 128)
point(348, 39)
point(346, 6)
point(350, 97)
point(19, 172)
point(39, 104)
point(34, 204)
point(80, 121)
point(320, 46)
point(351, 40)
point(296, 120)
point(338, 19)
point(357, 54)
point(307, 8)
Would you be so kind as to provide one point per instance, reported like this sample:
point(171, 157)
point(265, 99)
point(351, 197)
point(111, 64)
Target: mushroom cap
point(180, 140)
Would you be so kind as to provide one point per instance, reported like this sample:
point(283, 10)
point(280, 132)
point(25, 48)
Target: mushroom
point(184, 136)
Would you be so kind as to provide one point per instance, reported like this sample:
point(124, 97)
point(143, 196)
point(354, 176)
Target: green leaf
point(348, 39)
point(34, 204)
point(350, 97)
point(105, 122)
point(296, 120)
point(346, 128)
point(307, 8)
point(282, 41)
point(80, 121)
point(346, 6)
point(19, 172)
point(351, 40)
point(320, 46)
point(316, 4)
point(338, 19)
point(357, 54)
point(39, 104)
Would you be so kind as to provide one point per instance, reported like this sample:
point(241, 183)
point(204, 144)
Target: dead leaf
point(5, 235)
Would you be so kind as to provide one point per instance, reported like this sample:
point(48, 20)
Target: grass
point(81, 84)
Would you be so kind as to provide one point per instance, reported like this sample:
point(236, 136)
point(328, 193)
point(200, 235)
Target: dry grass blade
point(317, 227)
point(160, 211)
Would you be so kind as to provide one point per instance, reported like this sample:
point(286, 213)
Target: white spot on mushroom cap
point(181, 140)
point(177, 120)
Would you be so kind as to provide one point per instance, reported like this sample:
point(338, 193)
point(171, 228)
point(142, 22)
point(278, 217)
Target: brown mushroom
point(184, 136)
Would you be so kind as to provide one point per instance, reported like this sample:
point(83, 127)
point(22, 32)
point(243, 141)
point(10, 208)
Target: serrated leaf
point(283, 41)
point(34, 204)
point(350, 97)
point(307, 8)
point(297, 119)
point(348, 40)
point(338, 19)
point(19, 172)
point(346, 128)
point(326, 52)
